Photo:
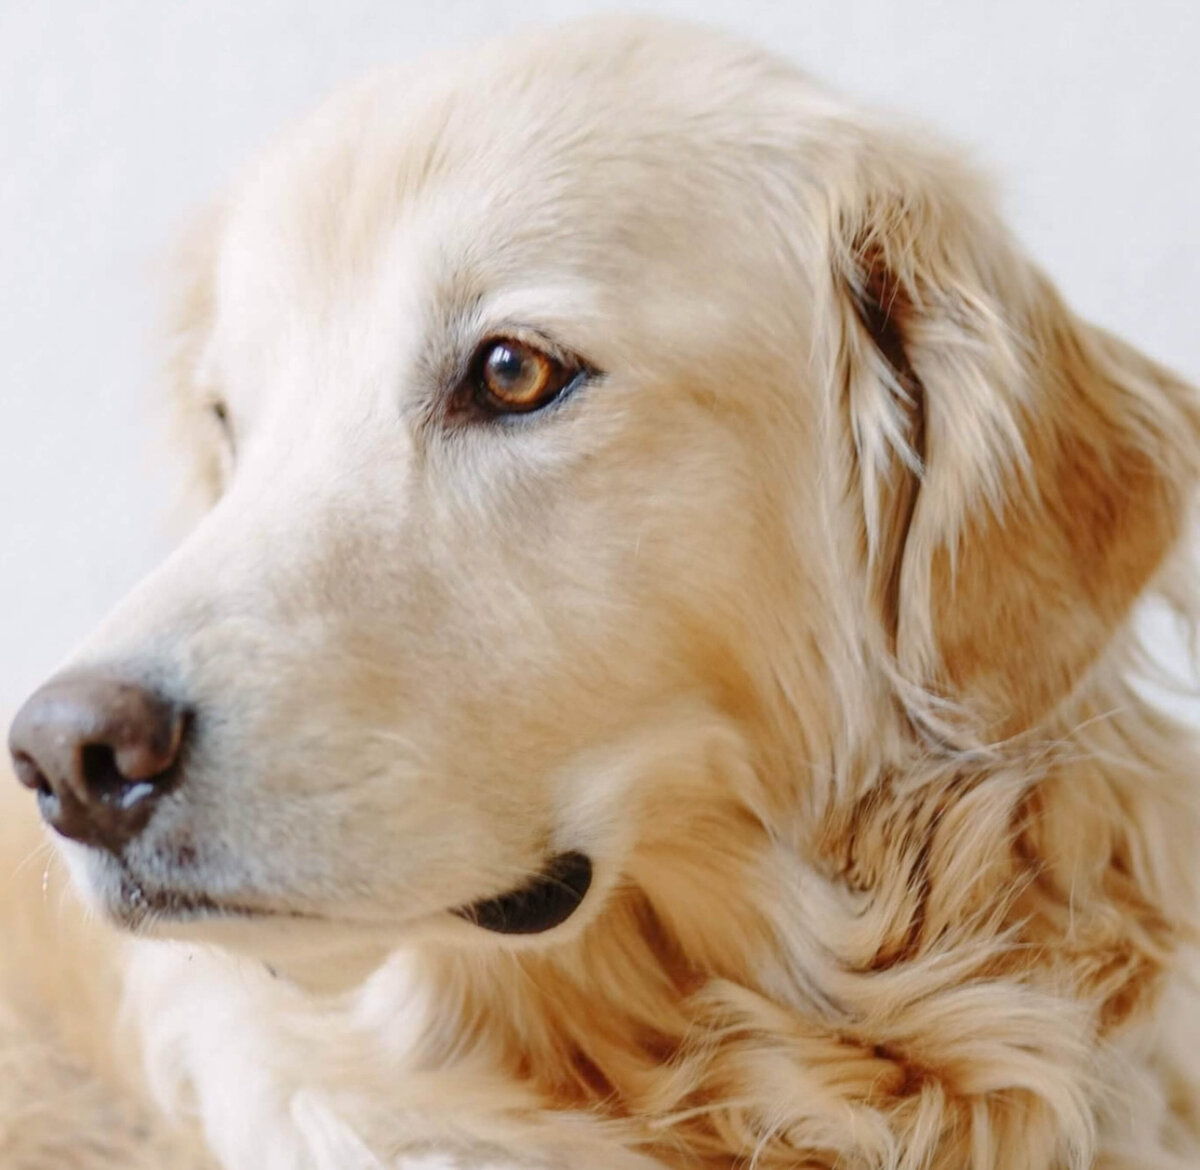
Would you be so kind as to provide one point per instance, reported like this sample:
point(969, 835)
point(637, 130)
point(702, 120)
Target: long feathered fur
point(928, 900)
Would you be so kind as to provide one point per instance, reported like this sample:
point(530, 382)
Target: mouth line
point(141, 908)
point(543, 902)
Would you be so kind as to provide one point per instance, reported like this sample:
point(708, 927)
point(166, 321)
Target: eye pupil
point(506, 366)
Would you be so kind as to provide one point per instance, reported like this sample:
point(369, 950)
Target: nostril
point(103, 778)
point(106, 782)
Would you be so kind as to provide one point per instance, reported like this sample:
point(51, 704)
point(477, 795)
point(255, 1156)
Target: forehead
point(618, 169)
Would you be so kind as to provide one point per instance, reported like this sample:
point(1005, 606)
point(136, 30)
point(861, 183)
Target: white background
point(119, 118)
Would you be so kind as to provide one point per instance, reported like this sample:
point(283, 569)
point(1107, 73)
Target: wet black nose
point(99, 752)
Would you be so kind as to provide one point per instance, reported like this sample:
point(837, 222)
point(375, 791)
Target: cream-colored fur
point(807, 619)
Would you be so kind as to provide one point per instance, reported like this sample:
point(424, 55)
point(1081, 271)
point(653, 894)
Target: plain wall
point(118, 119)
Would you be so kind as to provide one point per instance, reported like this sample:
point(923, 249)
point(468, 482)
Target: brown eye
point(512, 377)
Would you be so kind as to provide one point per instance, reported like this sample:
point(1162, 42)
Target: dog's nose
point(99, 752)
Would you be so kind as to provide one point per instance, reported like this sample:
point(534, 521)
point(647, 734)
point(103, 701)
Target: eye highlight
point(508, 376)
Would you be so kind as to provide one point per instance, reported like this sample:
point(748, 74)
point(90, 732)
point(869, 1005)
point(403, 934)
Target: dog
point(655, 686)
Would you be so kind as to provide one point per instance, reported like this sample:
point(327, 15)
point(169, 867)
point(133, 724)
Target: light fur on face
point(807, 620)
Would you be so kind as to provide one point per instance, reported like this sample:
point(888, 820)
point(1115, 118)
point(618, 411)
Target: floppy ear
point(1022, 474)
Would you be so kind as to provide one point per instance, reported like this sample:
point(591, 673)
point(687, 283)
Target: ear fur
point(1023, 475)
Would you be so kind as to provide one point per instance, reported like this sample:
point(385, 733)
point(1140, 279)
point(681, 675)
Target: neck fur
point(927, 975)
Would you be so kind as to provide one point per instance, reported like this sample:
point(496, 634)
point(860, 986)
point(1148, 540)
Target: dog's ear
point(1020, 475)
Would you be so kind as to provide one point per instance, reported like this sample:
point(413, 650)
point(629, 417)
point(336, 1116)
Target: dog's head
point(605, 434)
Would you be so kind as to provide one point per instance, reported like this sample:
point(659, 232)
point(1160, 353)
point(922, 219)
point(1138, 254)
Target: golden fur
point(811, 623)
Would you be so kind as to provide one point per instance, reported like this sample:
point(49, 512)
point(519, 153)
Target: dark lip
point(547, 900)
point(543, 902)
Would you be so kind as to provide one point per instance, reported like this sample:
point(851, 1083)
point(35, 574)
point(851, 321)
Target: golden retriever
point(656, 685)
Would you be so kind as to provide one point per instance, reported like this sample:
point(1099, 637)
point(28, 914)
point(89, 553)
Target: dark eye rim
point(570, 371)
point(219, 410)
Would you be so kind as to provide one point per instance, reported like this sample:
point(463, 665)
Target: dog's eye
point(220, 414)
point(512, 377)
